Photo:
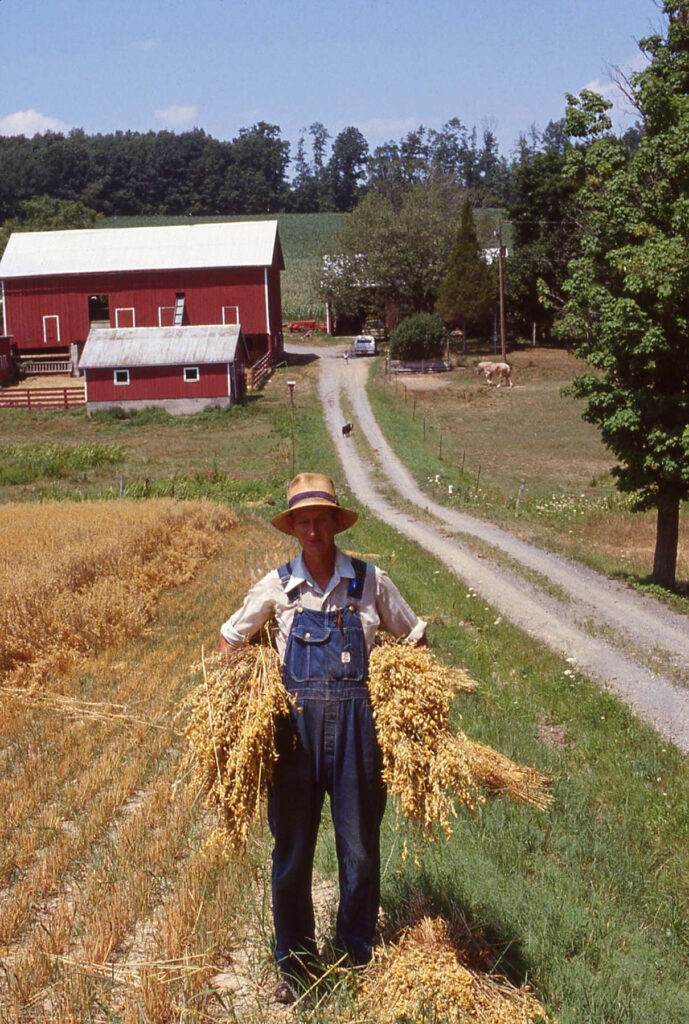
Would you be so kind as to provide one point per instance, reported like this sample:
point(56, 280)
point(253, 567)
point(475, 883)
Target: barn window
point(99, 309)
point(121, 376)
point(191, 374)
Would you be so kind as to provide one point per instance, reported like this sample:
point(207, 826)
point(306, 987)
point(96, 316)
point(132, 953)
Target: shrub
point(422, 336)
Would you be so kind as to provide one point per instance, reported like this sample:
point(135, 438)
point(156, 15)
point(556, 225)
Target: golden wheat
point(234, 715)
point(424, 976)
point(71, 585)
point(429, 769)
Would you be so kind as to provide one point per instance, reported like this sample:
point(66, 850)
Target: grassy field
point(522, 456)
point(303, 237)
point(114, 906)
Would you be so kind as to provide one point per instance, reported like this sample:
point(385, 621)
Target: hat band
point(312, 494)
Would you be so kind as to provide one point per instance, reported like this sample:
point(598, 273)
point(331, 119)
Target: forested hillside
point(193, 173)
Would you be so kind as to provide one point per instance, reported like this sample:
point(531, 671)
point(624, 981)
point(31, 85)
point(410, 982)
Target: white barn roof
point(254, 243)
point(160, 346)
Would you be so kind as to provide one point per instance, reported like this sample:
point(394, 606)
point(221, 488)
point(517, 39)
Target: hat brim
point(345, 516)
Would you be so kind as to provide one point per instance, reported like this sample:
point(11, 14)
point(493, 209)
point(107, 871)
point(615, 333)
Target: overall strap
point(356, 586)
point(285, 573)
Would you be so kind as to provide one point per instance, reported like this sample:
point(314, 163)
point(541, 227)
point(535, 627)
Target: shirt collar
point(344, 570)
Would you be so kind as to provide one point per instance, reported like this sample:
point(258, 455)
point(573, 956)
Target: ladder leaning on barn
point(178, 315)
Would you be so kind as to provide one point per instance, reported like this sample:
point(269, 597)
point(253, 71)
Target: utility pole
point(501, 253)
point(290, 387)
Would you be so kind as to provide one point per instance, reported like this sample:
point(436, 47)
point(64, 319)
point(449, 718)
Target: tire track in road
point(631, 618)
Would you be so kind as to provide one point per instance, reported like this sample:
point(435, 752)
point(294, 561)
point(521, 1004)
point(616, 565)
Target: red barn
point(58, 284)
point(179, 369)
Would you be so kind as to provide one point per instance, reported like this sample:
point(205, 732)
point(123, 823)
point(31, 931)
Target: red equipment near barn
point(58, 285)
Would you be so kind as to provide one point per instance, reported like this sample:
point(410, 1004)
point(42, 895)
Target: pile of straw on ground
point(428, 768)
point(428, 976)
point(234, 714)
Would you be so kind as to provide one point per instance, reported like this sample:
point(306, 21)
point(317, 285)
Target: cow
point(500, 370)
point(347, 429)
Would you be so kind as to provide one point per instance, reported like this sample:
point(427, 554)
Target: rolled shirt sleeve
point(395, 614)
point(257, 609)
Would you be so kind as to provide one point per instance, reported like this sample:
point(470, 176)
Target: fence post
point(28, 398)
point(65, 398)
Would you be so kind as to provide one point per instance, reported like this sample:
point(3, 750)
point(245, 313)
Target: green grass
point(487, 444)
point(587, 900)
point(21, 464)
point(303, 237)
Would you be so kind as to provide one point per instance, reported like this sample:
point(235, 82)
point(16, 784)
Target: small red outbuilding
point(57, 285)
point(179, 369)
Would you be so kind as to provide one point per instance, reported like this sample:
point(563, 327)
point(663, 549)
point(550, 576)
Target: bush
point(422, 336)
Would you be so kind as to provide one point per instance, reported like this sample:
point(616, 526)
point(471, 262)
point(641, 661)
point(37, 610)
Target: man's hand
point(223, 645)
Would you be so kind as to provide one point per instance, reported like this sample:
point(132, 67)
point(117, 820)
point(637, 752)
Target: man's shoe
point(284, 993)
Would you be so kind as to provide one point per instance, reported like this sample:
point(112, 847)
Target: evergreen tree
point(628, 309)
point(466, 296)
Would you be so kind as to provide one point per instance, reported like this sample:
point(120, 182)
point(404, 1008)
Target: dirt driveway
point(628, 642)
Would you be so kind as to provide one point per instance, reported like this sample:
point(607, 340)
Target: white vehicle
point(364, 345)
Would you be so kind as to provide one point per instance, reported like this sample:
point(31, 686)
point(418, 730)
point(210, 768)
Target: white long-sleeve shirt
point(380, 604)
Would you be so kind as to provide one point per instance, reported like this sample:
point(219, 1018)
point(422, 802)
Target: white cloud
point(145, 45)
point(30, 122)
point(178, 117)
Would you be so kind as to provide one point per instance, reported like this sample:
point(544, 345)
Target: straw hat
point(313, 490)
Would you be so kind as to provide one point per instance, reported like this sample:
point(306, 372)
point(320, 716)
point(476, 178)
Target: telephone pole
point(501, 253)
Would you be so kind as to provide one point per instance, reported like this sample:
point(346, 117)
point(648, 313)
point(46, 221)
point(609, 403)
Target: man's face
point(315, 529)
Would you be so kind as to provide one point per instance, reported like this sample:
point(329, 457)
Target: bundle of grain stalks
point(427, 767)
point(428, 976)
point(236, 710)
point(234, 714)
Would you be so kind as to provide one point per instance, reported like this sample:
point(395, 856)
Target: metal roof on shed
point(160, 346)
point(253, 243)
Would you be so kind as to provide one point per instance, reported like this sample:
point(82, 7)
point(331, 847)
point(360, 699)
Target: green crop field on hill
point(303, 237)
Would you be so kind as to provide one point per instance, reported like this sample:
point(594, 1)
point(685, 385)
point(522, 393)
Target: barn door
point(51, 330)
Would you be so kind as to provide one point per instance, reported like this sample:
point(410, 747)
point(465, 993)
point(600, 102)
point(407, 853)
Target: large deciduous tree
point(628, 305)
point(392, 252)
point(467, 293)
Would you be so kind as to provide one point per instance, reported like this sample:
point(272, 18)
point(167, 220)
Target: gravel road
point(628, 642)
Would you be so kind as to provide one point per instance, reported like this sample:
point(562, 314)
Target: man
point(327, 608)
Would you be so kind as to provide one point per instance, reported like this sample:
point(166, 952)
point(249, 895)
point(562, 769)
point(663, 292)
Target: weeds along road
point(628, 642)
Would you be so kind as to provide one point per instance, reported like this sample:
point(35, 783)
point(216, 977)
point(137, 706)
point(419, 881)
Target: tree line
point(135, 173)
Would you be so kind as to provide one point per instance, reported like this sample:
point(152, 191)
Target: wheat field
point(113, 905)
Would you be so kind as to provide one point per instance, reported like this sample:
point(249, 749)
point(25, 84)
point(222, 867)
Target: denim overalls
point(335, 752)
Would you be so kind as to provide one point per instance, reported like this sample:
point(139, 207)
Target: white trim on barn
point(265, 282)
point(125, 309)
point(161, 309)
point(51, 316)
point(236, 315)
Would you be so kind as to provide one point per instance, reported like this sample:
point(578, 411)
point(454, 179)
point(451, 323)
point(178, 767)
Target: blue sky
point(383, 66)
